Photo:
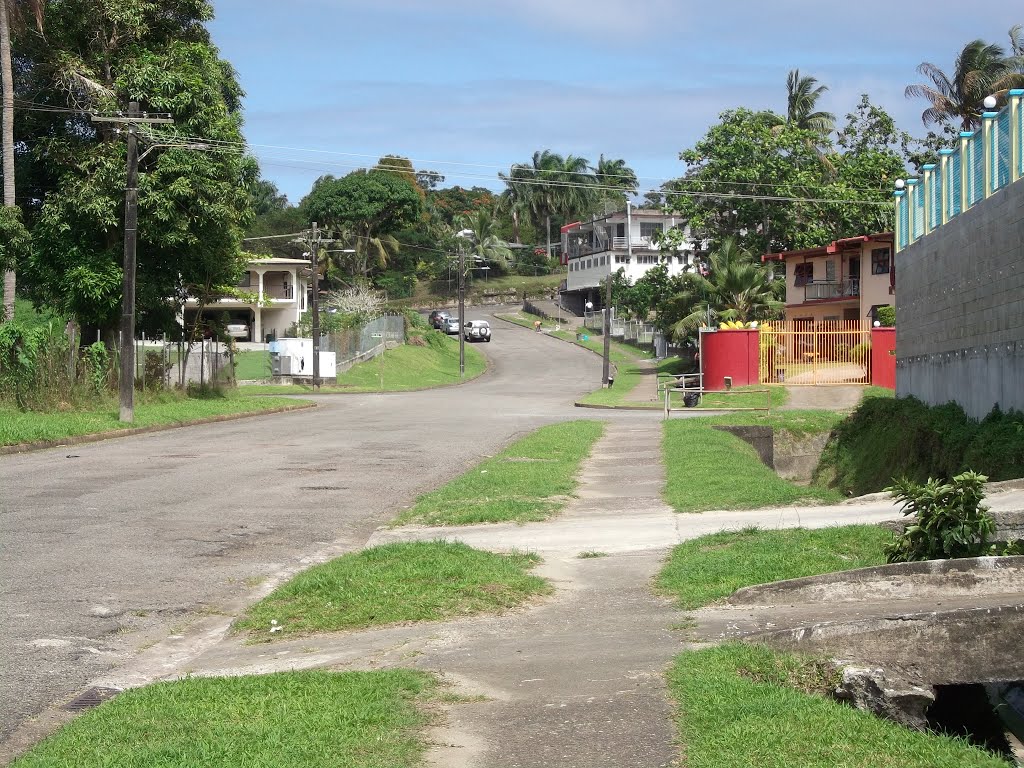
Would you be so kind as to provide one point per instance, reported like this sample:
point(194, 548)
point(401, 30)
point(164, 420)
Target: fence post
point(989, 148)
point(947, 183)
point(1016, 137)
point(928, 180)
point(965, 169)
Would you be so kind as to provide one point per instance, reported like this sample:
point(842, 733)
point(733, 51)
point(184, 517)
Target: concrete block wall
point(960, 309)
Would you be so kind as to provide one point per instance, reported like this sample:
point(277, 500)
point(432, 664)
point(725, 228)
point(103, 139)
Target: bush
point(950, 520)
point(859, 353)
point(887, 316)
point(34, 366)
point(397, 285)
point(888, 438)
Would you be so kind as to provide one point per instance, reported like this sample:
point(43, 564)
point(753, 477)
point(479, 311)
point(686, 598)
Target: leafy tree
point(364, 208)
point(193, 205)
point(648, 293)
point(265, 198)
point(11, 11)
point(741, 179)
point(981, 69)
point(735, 288)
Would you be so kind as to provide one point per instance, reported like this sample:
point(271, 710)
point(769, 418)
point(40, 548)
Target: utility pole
point(314, 249)
point(607, 367)
point(462, 313)
point(126, 380)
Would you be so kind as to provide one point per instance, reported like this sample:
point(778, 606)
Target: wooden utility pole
point(607, 367)
point(314, 248)
point(462, 313)
point(126, 380)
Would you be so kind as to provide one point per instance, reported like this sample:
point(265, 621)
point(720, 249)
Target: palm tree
point(802, 94)
point(735, 288)
point(552, 185)
point(615, 179)
point(486, 247)
point(11, 11)
point(357, 253)
point(981, 69)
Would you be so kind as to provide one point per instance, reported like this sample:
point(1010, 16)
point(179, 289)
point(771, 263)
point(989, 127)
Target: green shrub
point(950, 520)
point(887, 316)
point(889, 438)
point(860, 352)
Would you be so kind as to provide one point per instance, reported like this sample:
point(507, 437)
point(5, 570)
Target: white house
point(594, 249)
point(280, 286)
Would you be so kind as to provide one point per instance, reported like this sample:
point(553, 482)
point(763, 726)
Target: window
point(590, 263)
point(646, 259)
point(246, 280)
point(648, 228)
point(879, 261)
point(622, 259)
point(620, 230)
point(803, 274)
point(830, 271)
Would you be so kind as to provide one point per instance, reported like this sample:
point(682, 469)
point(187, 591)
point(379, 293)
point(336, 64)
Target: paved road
point(111, 545)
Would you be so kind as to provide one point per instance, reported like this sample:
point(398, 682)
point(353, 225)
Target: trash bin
point(691, 399)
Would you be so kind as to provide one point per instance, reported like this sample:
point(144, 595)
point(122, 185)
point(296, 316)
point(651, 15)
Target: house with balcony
point(280, 287)
point(626, 240)
point(845, 281)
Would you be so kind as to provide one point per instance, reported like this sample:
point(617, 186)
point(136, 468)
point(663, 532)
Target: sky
point(469, 87)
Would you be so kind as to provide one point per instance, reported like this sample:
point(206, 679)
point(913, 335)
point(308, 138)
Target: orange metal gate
point(800, 352)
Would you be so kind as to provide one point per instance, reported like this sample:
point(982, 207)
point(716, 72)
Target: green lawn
point(530, 480)
point(433, 362)
point(753, 396)
point(710, 469)
point(150, 410)
point(308, 719)
point(252, 364)
point(415, 581)
point(799, 423)
point(711, 567)
point(738, 705)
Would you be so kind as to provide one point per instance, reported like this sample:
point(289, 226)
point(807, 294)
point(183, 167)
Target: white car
point(238, 330)
point(476, 330)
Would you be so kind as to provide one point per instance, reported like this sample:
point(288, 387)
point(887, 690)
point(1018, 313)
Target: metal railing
point(832, 289)
point(987, 160)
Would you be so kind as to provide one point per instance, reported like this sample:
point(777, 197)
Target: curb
point(95, 437)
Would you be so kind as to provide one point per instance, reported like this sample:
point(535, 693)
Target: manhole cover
point(91, 698)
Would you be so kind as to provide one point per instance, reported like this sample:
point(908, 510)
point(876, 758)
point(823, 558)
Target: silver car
point(450, 325)
point(476, 330)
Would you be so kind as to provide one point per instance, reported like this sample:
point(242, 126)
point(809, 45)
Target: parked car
point(238, 331)
point(451, 325)
point(476, 330)
point(437, 318)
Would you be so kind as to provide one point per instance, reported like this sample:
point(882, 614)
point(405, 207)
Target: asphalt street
point(109, 547)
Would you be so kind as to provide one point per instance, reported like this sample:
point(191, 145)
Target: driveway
point(112, 546)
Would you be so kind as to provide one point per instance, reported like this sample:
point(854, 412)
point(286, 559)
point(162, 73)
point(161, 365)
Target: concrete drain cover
point(91, 698)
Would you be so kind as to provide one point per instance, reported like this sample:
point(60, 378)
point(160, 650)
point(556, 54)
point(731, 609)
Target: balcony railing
point(286, 293)
point(849, 288)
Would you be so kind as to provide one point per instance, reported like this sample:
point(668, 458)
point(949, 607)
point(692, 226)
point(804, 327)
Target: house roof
point(836, 246)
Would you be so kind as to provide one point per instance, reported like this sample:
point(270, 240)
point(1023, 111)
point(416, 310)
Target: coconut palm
point(355, 254)
point(802, 94)
point(615, 179)
point(735, 287)
point(11, 13)
point(981, 69)
point(479, 230)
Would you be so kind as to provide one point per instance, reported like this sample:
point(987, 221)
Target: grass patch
point(252, 364)
point(303, 719)
point(528, 481)
point(711, 567)
point(415, 581)
point(628, 371)
point(710, 469)
point(798, 423)
point(590, 554)
point(431, 363)
point(150, 410)
point(736, 707)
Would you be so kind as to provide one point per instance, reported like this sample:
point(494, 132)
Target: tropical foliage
point(735, 288)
